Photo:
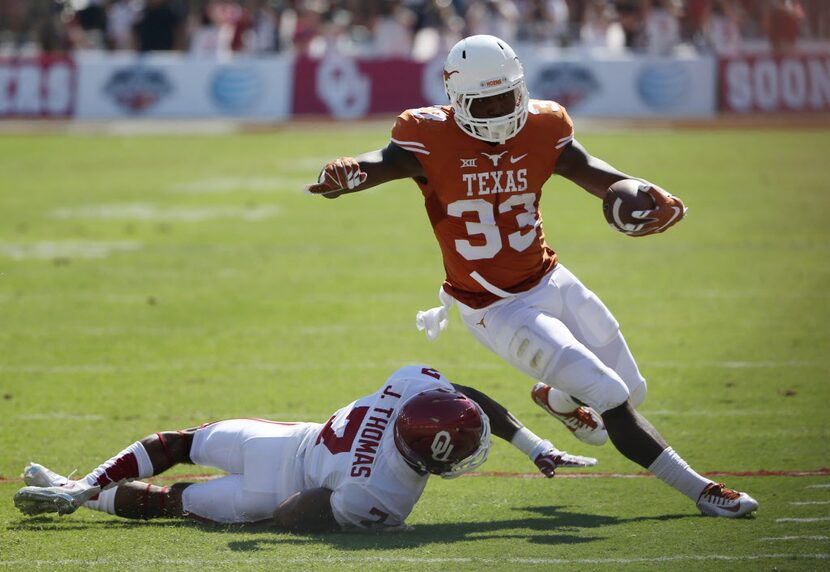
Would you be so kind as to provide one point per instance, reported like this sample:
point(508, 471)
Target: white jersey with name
point(354, 455)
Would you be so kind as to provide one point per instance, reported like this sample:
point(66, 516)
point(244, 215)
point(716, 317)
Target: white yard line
point(83, 368)
point(45, 250)
point(189, 366)
point(154, 212)
point(815, 519)
point(60, 416)
point(217, 185)
point(704, 413)
point(415, 560)
point(749, 364)
point(107, 331)
point(823, 486)
point(771, 538)
point(802, 503)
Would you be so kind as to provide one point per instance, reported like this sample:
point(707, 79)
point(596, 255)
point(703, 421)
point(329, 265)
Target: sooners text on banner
point(42, 86)
point(764, 83)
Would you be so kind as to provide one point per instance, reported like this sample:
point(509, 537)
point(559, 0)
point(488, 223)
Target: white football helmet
point(483, 66)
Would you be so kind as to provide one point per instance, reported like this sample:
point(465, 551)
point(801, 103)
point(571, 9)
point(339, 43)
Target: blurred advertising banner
point(768, 83)
point(38, 86)
point(175, 86)
point(345, 87)
point(275, 88)
point(624, 86)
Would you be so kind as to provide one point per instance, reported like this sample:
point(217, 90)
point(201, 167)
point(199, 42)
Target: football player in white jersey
point(480, 163)
point(365, 468)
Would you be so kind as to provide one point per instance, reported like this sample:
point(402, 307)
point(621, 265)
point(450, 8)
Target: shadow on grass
point(550, 525)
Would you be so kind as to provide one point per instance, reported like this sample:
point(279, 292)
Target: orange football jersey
point(483, 199)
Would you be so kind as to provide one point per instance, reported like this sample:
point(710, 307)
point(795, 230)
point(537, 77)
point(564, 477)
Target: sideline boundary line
point(823, 472)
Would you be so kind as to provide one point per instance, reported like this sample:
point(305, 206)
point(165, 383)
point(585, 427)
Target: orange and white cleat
point(718, 500)
point(583, 422)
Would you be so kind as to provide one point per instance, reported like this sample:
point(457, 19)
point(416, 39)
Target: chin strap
point(435, 320)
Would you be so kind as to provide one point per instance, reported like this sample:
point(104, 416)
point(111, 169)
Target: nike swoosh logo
point(514, 160)
point(677, 213)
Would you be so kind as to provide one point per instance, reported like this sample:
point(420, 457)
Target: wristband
point(525, 440)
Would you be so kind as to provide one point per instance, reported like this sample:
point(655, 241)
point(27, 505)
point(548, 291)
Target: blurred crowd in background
point(420, 29)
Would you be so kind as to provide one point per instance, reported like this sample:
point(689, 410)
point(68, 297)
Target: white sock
point(104, 502)
point(675, 472)
point(525, 440)
point(131, 463)
point(560, 401)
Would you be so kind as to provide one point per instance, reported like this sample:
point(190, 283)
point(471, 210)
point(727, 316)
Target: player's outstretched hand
point(343, 174)
point(548, 459)
point(668, 211)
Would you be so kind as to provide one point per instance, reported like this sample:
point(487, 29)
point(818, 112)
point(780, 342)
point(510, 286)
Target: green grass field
point(157, 282)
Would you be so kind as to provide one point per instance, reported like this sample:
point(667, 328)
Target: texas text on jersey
point(483, 198)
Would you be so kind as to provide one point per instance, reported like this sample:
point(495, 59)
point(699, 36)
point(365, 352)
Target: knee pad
point(637, 395)
point(592, 383)
point(564, 363)
point(598, 325)
point(531, 353)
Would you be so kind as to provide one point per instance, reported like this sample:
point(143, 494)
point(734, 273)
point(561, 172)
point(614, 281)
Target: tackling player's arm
point(349, 175)
point(307, 511)
point(595, 176)
point(504, 424)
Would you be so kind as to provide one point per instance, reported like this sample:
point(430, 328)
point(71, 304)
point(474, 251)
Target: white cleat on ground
point(718, 500)
point(36, 475)
point(63, 499)
point(583, 422)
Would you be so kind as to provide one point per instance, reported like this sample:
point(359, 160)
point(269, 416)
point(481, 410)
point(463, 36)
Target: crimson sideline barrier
point(38, 87)
point(348, 88)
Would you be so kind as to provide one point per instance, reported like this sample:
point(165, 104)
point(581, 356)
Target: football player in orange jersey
point(480, 164)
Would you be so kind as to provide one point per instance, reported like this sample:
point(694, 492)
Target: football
point(624, 198)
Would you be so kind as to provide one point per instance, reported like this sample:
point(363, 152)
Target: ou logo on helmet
point(442, 446)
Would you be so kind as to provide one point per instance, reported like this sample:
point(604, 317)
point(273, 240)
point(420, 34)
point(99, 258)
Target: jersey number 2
point(486, 225)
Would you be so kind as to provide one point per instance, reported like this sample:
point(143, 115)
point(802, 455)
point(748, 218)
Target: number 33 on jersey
point(483, 199)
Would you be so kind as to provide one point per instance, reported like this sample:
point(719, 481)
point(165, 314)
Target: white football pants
point(560, 333)
point(264, 465)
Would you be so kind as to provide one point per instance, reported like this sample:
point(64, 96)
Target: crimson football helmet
point(442, 432)
point(484, 66)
